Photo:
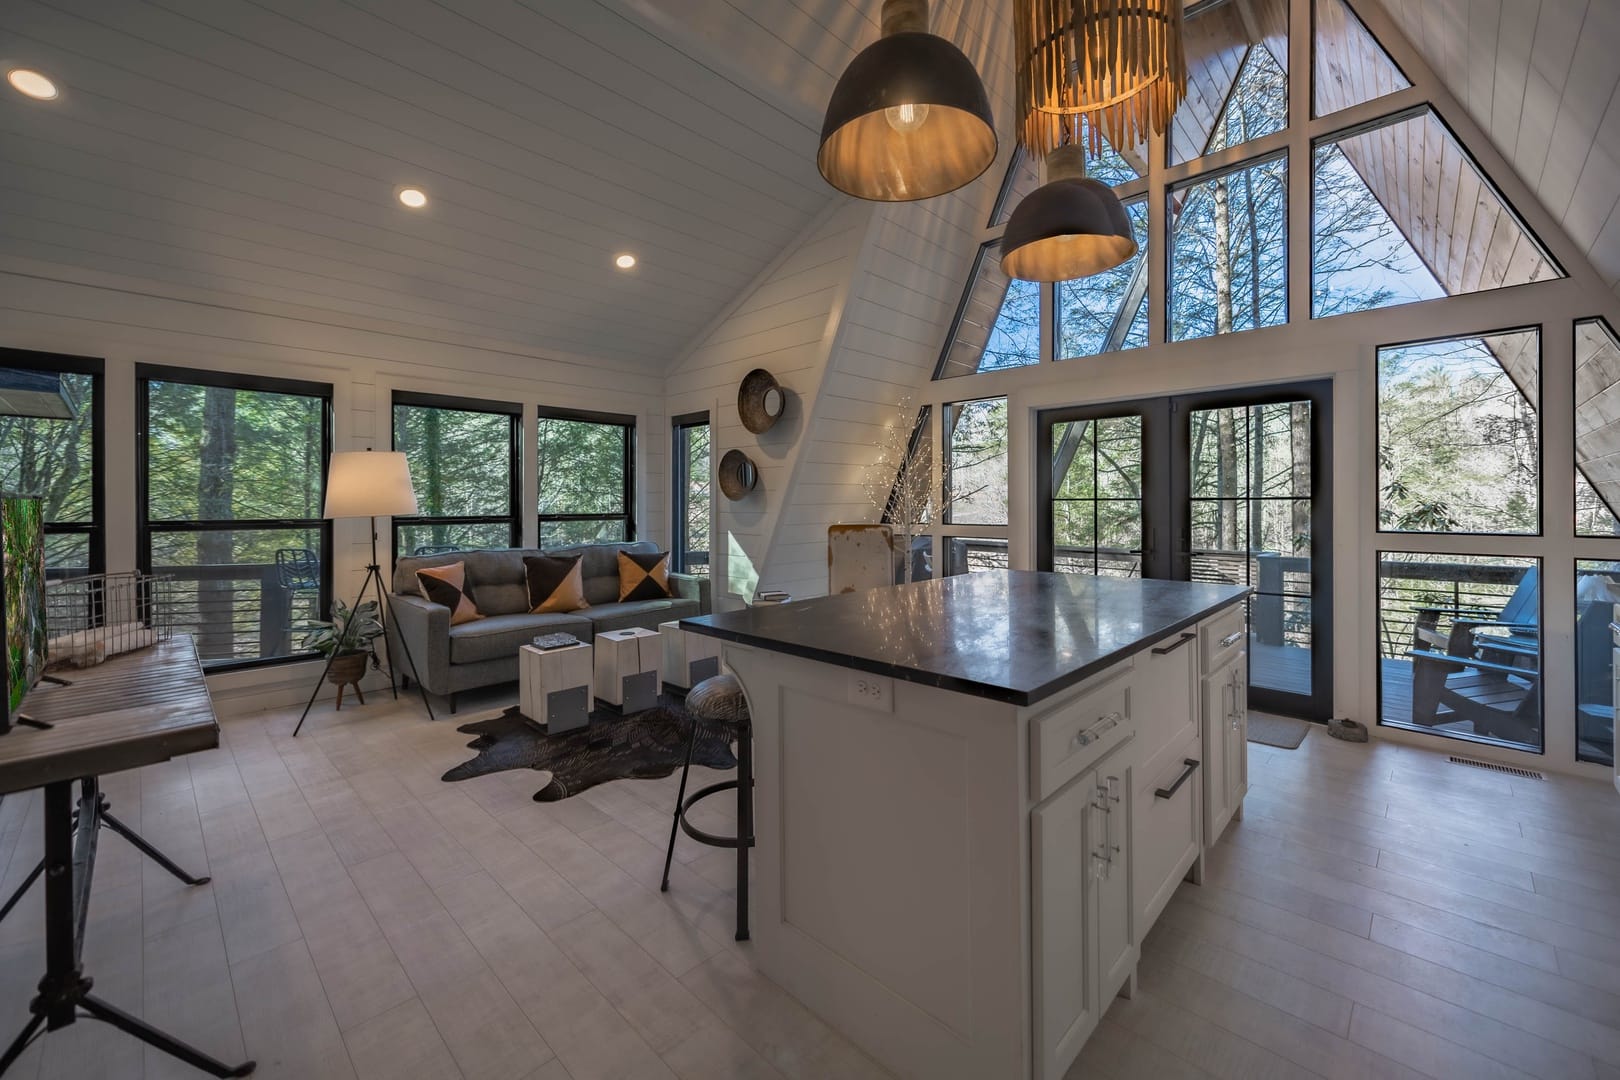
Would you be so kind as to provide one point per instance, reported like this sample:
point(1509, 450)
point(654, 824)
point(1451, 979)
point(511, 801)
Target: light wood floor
point(1377, 912)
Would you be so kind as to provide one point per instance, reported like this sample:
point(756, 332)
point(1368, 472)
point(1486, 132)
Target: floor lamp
point(364, 484)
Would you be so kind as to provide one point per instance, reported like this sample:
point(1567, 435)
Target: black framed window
point(61, 460)
point(231, 476)
point(586, 476)
point(1459, 434)
point(463, 455)
point(693, 492)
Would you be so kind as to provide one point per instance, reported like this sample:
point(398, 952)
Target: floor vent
point(1528, 774)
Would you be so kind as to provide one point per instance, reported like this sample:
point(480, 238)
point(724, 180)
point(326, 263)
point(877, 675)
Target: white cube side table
point(688, 658)
point(555, 686)
point(628, 668)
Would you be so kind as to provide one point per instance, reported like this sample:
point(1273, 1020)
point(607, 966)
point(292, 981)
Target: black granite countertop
point(1016, 636)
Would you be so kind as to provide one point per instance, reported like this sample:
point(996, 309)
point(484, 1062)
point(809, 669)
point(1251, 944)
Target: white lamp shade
point(369, 483)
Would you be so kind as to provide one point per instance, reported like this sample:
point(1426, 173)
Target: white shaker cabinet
point(1225, 696)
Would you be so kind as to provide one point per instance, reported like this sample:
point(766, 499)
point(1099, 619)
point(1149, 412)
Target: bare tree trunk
point(215, 488)
point(1226, 434)
point(432, 447)
point(1257, 477)
point(1299, 419)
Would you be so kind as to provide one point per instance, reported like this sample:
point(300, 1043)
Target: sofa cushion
point(644, 577)
point(447, 587)
point(601, 567)
point(644, 613)
point(555, 583)
point(502, 635)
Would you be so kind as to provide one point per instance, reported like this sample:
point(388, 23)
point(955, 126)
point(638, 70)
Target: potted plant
point(347, 639)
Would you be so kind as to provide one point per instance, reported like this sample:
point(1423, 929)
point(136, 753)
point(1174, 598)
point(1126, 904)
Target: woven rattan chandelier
point(1119, 66)
point(1119, 63)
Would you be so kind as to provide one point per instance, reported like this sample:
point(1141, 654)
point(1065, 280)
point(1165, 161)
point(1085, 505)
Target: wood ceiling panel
point(1540, 77)
point(253, 150)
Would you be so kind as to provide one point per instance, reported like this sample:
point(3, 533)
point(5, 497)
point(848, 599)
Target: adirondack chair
point(1486, 670)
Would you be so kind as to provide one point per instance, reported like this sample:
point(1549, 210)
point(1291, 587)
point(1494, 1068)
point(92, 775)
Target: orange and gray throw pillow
point(643, 577)
point(556, 583)
point(447, 585)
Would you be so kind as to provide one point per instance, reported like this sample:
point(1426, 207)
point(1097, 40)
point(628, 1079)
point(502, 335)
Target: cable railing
point(240, 612)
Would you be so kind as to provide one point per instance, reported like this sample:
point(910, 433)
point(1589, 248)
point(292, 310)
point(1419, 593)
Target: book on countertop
point(771, 596)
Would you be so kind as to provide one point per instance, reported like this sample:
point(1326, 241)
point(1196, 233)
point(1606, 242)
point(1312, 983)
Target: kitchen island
point(974, 796)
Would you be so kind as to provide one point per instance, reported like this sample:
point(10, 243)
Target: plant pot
point(347, 668)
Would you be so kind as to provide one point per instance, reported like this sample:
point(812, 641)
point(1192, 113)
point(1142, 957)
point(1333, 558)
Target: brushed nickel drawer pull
point(1231, 639)
point(1098, 730)
point(1160, 650)
point(1186, 774)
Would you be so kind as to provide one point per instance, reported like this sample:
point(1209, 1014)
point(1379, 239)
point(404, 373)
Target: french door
point(1227, 486)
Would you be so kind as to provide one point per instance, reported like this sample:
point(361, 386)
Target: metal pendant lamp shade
point(1070, 227)
point(1119, 63)
point(909, 119)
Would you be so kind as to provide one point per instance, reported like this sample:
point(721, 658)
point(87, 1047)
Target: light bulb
point(415, 198)
point(31, 83)
point(906, 118)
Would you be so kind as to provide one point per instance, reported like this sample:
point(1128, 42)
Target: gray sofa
point(448, 659)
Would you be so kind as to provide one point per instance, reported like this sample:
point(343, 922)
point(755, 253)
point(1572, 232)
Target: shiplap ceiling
point(1541, 78)
point(250, 152)
point(253, 150)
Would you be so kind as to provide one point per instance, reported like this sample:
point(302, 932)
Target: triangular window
point(998, 322)
point(1107, 312)
point(1237, 79)
point(1351, 67)
point(1597, 429)
point(1401, 213)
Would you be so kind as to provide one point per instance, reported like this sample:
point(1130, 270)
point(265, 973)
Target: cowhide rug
point(645, 746)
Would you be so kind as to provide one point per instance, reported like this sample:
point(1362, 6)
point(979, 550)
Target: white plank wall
point(911, 274)
point(785, 324)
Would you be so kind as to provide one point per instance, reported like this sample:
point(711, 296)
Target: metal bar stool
point(717, 705)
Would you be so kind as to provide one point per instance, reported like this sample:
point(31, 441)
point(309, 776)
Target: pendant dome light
point(1121, 66)
point(1070, 227)
point(909, 119)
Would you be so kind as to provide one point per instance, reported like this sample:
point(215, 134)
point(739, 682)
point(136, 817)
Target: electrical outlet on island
point(874, 692)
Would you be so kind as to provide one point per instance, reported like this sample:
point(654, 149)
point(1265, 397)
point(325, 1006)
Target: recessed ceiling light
point(625, 261)
point(415, 198)
point(31, 83)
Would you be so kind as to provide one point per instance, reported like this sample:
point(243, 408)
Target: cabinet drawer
point(1071, 738)
point(1223, 638)
point(1165, 831)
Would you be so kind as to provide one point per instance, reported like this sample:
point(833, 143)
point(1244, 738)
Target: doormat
point(646, 746)
point(1283, 731)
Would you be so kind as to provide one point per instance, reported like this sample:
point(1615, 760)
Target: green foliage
point(54, 460)
point(582, 471)
point(347, 631)
point(976, 468)
point(1458, 443)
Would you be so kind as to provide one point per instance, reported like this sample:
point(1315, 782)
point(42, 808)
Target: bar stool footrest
point(700, 835)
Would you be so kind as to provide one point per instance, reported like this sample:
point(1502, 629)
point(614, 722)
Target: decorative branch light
point(1118, 64)
point(909, 118)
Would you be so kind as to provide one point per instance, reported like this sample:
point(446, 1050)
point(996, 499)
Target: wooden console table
point(134, 710)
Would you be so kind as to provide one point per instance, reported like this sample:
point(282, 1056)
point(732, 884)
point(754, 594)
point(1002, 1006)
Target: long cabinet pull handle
point(1098, 730)
point(1160, 650)
point(1186, 774)
point(1231, 639)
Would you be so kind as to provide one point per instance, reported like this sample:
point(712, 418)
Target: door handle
point(1160, 650)
point(1231, 639)
point(1186, 774)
